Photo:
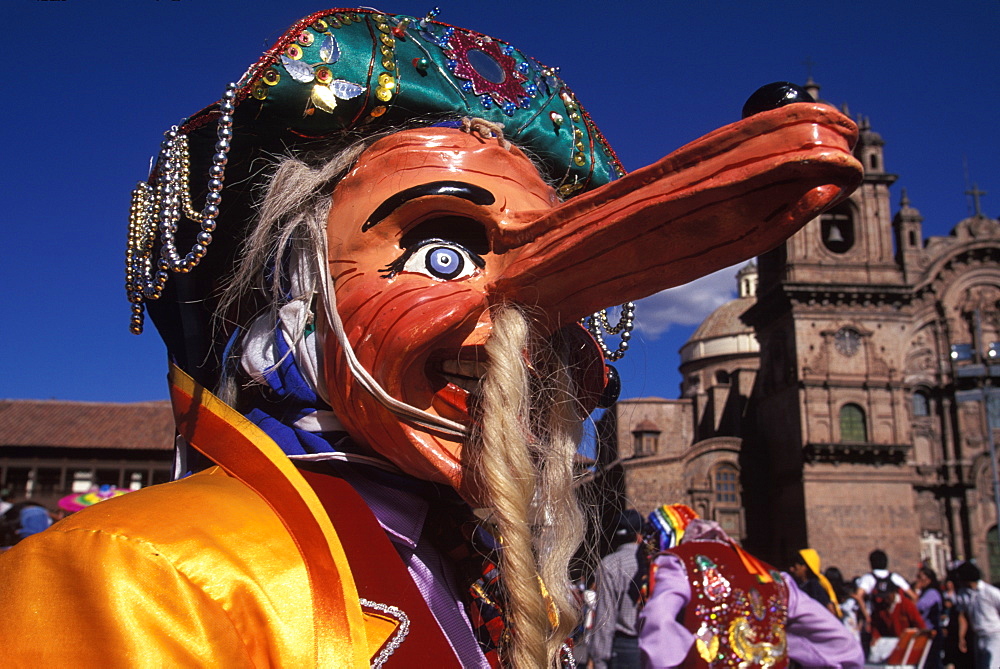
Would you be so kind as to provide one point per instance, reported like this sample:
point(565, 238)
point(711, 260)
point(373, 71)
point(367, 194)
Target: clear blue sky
point(90, 86)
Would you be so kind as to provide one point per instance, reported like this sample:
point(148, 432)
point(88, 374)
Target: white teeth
point(463, 368)
point(465, 375)
point(468, 385)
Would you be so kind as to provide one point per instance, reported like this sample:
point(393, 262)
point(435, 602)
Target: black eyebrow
point(466, 191)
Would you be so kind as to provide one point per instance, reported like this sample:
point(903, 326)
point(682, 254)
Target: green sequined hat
point(357, 71)
point(359, 68)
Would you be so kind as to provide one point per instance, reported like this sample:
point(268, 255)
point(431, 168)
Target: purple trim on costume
point(401, 514)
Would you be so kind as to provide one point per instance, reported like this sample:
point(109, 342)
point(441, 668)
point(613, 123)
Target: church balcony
point(860, 452)
point(847, 294)
point(975, 371)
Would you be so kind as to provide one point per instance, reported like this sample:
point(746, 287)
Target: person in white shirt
point(982, 613)
point(879, 562)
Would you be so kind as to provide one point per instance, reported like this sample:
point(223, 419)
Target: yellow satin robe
point(195, 573)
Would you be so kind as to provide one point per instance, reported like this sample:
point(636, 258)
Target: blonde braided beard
point(522, 457)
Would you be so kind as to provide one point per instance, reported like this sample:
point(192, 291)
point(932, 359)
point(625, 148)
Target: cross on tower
point(975, 193)
point(808, 62)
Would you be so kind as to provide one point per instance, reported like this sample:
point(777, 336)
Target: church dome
point(723, 333)
point(724, 321)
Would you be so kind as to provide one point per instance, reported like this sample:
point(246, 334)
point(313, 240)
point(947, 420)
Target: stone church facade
point(840, 402)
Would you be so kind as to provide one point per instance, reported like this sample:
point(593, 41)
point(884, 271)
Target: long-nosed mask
point(432, 228)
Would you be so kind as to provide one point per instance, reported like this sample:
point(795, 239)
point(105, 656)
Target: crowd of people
point(962, 612)
point(639, 612)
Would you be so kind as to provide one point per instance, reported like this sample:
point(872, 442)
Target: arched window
point(837, 228)
point(852, 423)
point(873, 161)
point(921, 404)
point(722, 376)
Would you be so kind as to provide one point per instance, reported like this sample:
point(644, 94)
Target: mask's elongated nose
point(728, 196)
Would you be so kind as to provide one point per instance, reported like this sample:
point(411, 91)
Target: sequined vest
point(737, 618)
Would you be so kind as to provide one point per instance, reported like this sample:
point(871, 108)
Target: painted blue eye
point(442, 260)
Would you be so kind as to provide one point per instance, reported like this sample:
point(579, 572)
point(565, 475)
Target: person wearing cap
point(712, 602)
point(371, 300)
point(982, 614)
point(614, 642)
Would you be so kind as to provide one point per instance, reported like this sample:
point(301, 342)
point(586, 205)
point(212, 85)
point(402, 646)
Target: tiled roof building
point(51, 448)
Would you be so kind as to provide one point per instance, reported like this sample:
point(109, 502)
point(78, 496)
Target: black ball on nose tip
point(775, 95)
point(612, 389)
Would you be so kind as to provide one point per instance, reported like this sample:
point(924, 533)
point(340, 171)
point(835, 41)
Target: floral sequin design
point(326, 90)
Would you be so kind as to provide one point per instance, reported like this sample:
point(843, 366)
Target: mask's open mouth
point(465, 375)
point(455, 378)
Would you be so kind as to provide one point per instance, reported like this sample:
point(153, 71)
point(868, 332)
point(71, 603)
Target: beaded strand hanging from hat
point(159, 209)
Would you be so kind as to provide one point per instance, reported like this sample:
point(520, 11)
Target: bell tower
point(830, 397)
point(909, 238)
point(849, 244)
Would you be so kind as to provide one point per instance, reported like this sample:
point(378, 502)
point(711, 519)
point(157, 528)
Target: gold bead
point(386, 81)
point(383, 94)
point(579, 159)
